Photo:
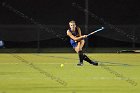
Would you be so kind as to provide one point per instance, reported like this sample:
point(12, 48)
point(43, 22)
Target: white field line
point(38, 63)
point(88, 78)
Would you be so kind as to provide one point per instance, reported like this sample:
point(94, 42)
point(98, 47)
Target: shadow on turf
point(47, 74)
point(117, 74)
point(107, 63)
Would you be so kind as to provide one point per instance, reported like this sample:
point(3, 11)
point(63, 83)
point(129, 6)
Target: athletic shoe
point(95, 63)
point(79, 64)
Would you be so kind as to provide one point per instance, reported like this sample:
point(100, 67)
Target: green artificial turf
point(42, 73)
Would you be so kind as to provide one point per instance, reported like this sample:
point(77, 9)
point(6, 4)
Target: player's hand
point(84, 36)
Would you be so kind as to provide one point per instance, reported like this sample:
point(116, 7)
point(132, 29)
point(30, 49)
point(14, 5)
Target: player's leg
point(82, 43)
point(77, 47)
point(85, 57)
point(80, 54)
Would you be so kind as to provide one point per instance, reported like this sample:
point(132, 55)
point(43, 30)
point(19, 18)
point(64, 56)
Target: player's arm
point(75, 38)
point(79, 31)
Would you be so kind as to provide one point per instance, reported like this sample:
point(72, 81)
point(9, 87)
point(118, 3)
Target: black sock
point(87, 59)
point(80, 53)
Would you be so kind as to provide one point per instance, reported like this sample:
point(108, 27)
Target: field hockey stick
point(95, 31)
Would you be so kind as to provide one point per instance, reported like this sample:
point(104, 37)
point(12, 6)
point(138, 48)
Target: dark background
point(59, 13)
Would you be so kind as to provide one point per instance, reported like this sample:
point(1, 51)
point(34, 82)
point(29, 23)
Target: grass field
point(41, 73)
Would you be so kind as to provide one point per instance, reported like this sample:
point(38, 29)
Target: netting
point(127, 33)
point(26, 25)
point(29, 33)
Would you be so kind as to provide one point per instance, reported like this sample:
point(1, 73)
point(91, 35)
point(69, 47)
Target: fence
point(54, 36)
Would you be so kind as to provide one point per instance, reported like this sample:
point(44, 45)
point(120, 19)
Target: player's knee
point(77, 49)
point(82, 41)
